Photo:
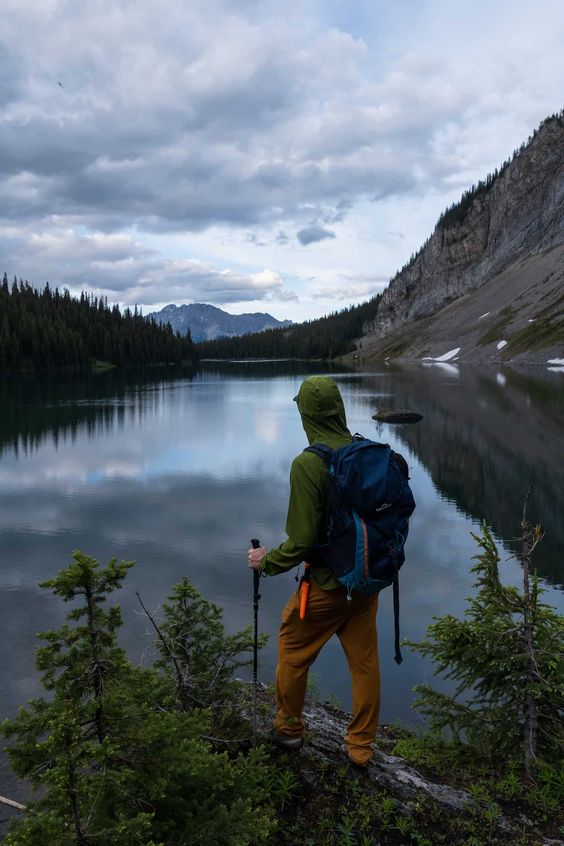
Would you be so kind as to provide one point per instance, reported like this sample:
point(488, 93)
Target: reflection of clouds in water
point(362, 397)
point(83, 462)
point(183, 487)
point(119, 468)
point(191, 519)
point(208, 435)
point(200, 527)
point(267, 426)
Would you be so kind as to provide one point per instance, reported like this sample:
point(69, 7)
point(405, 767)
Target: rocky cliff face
point(521, 213)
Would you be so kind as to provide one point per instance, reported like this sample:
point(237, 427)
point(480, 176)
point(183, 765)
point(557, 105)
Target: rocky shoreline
point(426, 803)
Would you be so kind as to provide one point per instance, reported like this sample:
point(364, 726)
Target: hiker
point(329, 610)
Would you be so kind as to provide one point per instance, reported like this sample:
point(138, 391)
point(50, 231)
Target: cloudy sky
point(260, 156)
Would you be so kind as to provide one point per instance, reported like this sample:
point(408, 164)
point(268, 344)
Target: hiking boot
point(357, 770)
point(294, 744)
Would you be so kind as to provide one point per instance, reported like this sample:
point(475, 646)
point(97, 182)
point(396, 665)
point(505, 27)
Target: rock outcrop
point(513, 217)
point(392, 778)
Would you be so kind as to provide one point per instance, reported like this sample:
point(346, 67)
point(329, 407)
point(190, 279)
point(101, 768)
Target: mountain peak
point(207, 322)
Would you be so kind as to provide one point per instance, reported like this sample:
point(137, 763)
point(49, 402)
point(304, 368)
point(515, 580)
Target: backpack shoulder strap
point(401, 464)
point(322, 450)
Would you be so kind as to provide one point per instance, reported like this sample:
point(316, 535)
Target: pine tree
point(64, 744)
point(507, 659)
point(115, 763)
point(200, 657)
point(44, 329)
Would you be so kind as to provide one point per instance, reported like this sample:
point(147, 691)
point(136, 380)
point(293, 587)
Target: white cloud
point(221, 119)
point(119, 267)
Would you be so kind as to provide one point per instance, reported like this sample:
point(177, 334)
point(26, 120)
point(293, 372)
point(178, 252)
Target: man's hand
point(255, 557)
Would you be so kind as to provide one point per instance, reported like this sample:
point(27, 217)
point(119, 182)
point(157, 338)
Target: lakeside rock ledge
point(390, 774)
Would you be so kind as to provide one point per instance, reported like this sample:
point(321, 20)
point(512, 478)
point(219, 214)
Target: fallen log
point(389, 775)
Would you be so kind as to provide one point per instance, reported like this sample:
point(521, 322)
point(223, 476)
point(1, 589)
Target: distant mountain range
point(206, 322)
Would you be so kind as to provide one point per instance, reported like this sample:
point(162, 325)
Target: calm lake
point(178, 472)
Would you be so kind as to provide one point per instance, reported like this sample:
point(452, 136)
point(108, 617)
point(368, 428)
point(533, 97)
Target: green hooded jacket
point(323, 418)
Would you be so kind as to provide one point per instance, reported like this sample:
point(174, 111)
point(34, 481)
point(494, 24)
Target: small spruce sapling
point(117, 761)
point(199, 656)
point(65, 745)
point(507, 659)
point(83, 661)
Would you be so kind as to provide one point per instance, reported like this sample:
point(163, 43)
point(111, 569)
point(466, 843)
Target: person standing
point(329, 611)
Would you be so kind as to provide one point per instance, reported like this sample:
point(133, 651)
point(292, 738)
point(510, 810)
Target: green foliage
point(118, 757)
point(324, 338)
point(85, 657)
point(284, 788)
point(495, 331)
point(544, 332)
point(507, 659)
point(432, 753)
point(113, 761)
point(457, 213)
point(199, 656)
point(46, 329)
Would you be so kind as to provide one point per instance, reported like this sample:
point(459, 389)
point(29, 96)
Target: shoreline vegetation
point(47, 329)
point(325, 338)
point(118, 754)
point(50, 330)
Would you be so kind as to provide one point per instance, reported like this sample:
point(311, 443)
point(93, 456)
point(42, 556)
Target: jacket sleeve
point(306, 516)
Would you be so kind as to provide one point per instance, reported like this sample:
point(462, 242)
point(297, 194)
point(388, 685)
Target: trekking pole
point(256, 596)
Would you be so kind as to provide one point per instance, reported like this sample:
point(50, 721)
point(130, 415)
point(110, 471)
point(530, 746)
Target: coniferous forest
point(324, 338)
point(40, 330)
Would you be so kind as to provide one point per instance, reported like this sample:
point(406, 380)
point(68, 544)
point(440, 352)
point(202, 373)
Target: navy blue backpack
point(371, 503)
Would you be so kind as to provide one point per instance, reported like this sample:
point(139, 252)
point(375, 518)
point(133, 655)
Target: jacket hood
point(322, 411)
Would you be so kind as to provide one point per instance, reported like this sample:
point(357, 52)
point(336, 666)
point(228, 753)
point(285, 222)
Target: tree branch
point(179, 678)
point(12, 804)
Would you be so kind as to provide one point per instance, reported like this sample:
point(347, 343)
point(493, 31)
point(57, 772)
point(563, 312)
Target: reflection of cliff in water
point(60, 406)
point(485, 438)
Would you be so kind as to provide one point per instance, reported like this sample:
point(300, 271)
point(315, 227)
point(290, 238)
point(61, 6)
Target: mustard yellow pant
point(329, 612)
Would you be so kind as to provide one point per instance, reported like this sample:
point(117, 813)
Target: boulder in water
point(402, 416)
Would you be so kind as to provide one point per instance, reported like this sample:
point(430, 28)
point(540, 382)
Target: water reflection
point(56, 408)
point(177, 471)
point(485, 440)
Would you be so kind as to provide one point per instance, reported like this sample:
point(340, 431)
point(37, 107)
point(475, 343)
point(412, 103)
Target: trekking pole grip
point(255, 543)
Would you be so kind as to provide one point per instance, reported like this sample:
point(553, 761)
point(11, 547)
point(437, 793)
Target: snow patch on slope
point(448, 356)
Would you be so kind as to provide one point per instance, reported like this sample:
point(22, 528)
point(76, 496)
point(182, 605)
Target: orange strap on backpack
point(304, 590)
